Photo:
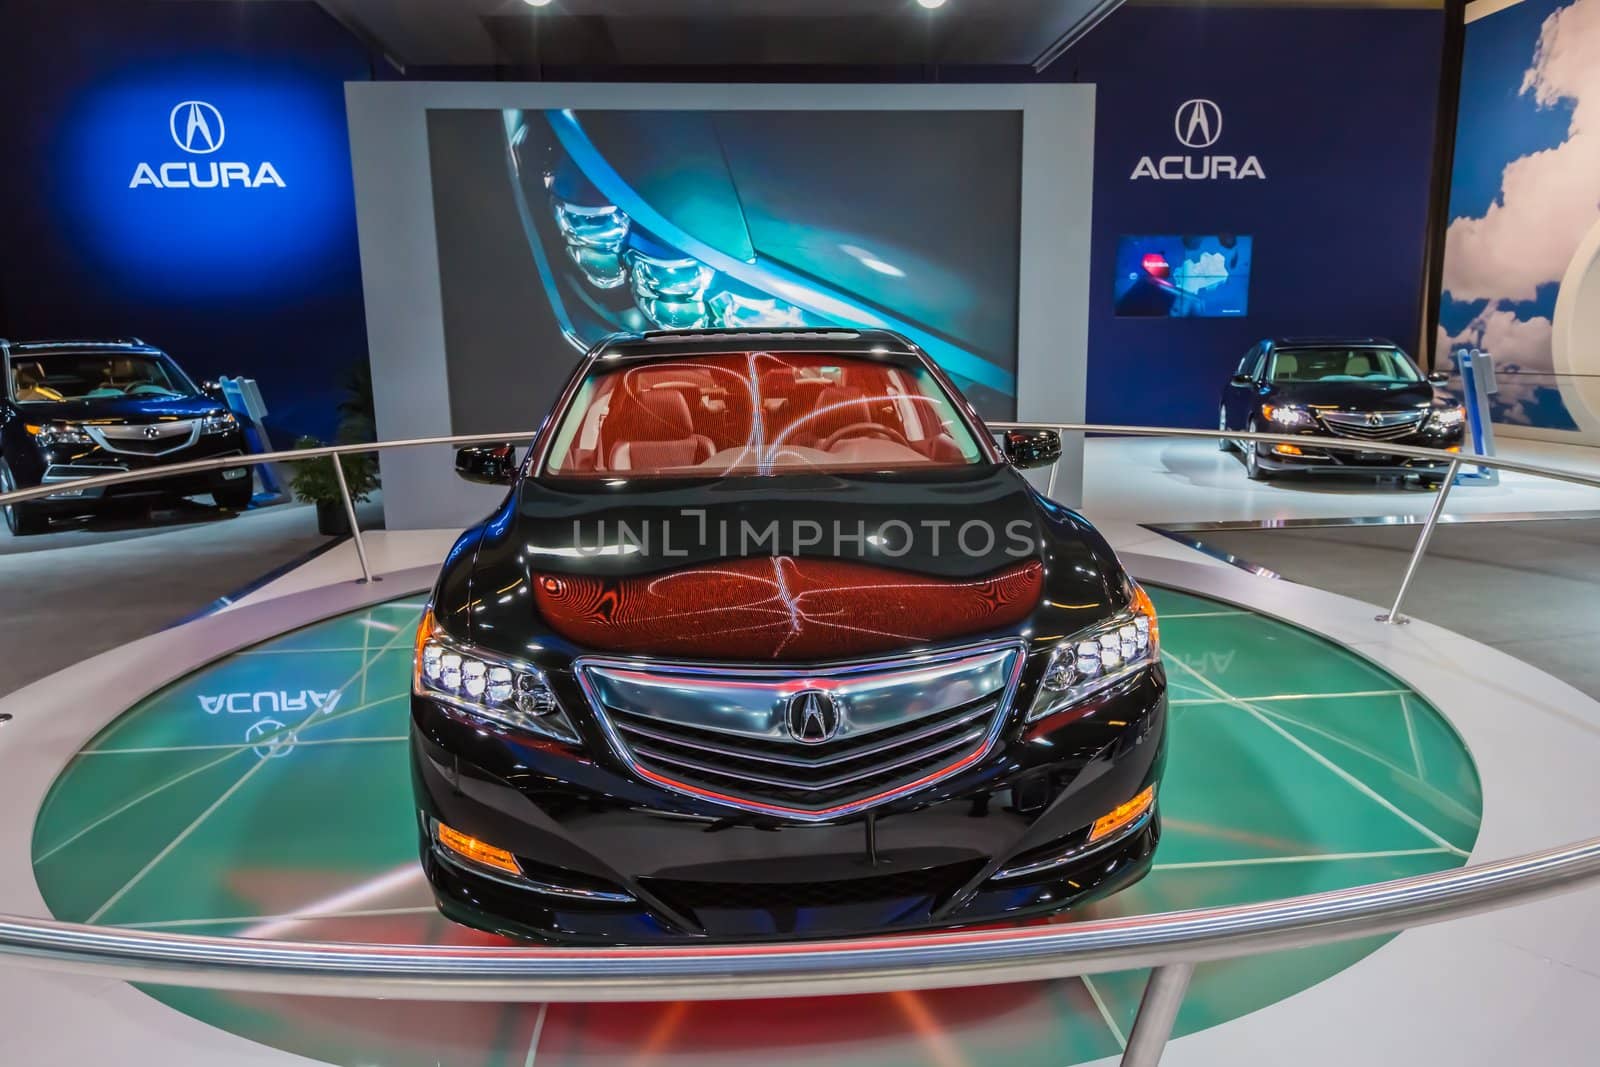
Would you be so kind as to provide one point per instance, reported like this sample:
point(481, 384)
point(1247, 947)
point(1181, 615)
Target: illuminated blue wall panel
point(230, 241)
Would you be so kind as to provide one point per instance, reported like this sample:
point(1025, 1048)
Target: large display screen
point(557, 227)
point(1188, 276)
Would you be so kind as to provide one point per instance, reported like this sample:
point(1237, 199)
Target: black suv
point(1363, 389)
point(76, 409)
point(768, 639)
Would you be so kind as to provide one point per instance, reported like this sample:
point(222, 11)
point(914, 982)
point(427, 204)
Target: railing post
point(350, 513)
point(1158, 1011)
point(1393, 617)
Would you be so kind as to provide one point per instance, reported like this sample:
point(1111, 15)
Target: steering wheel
point(863, 429)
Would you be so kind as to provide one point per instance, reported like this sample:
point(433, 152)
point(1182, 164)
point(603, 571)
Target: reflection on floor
point(1526, 588)
point(1154, 480)
point(268, 796)
point(132, 578)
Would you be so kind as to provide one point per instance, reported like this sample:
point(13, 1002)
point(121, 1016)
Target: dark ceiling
point(656, 33)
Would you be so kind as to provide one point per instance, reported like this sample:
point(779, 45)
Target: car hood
point(1359, 396)
point(787, 569)
point(129, 409)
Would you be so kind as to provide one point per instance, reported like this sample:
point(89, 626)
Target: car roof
point(128, 344)
point(673, 343)
point(1331, 341)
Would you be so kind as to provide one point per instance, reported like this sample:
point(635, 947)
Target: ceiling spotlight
point(546, 3)
point(929, 4)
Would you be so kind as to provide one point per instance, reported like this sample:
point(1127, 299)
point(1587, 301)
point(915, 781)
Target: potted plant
point(315, 482)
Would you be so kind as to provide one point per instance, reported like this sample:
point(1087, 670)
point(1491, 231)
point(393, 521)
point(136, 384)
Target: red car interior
point(753, 412)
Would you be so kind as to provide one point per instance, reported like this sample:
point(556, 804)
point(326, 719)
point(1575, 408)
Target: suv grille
point(1391, 425)
point(146, 439)
point(733, 735)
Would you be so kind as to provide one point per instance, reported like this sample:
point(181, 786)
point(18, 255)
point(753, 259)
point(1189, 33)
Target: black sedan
point(768, 639)
point(1360, 389)
point(77, 409)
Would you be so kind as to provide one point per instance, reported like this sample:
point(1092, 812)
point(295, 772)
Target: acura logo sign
point(813, 717)
point(1198, 123)
point(197, 127)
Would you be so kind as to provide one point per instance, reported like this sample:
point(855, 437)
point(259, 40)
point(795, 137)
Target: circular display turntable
point(268, 796)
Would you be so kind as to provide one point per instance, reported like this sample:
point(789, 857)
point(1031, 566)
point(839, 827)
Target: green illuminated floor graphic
point(268, 796)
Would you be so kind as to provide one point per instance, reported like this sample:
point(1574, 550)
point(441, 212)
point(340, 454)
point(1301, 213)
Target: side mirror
point(1243, 379)
point(1031, 448)
point(487, 464)
point(212, 388)
point(1439, 377)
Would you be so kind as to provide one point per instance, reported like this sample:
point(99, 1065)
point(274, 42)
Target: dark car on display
point(77, 409)
point(769, 639)
point(1361, 389)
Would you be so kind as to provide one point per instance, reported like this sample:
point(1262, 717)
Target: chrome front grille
point(146, 439)
point(725, 735)
point(1372, 425)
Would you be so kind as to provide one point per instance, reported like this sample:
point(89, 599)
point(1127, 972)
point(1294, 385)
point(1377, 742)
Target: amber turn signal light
point(480, 851)
point(1123, 814)
point(1146, 607)
point(1288, 450)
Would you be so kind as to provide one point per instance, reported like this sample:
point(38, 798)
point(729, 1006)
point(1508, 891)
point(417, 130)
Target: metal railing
point(1171, 943)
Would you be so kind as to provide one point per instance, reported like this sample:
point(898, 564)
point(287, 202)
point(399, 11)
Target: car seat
point(654, 431)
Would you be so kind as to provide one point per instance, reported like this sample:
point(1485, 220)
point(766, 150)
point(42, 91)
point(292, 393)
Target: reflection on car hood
point(1362, 396)
point(131, 408)
point(792, 568)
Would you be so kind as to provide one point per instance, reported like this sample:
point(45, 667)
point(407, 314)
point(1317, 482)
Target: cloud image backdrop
point(1525, 207)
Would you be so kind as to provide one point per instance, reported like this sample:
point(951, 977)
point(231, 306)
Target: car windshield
point(758, 413)
point(1342, 364)
point(49, 377)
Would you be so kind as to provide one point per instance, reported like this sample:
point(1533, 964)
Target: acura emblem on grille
point(1374, 419)
point(813, 717)
point(152, 432)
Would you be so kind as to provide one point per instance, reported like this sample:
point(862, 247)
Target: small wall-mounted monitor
point(1188, 276)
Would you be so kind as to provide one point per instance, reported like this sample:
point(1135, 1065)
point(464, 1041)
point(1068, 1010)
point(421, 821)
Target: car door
point(1239, 393)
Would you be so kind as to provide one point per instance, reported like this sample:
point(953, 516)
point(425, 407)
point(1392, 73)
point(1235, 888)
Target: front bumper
point(1371, 460)
point(67, 466)
point(608, 857)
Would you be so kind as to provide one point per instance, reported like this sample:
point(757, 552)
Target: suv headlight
point(1098, 657)
point(1287, 415)
point(220, 423)
point(481, 683)
point(60, 433)
point(1447, 418)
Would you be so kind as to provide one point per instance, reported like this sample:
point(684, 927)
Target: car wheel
point(1252, 462)
point(234, 497)
point(21, 519)
point(1224, 444)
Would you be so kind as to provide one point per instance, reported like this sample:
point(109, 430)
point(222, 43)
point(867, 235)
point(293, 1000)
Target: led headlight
point(603, 269)
point(1447, 418)
point(602, 227)
point(1098, 657)
point(1287, 415)
point(670, 289)
point(220, 423)
point(733, 311)
point(60, 433)
point(491, 687)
